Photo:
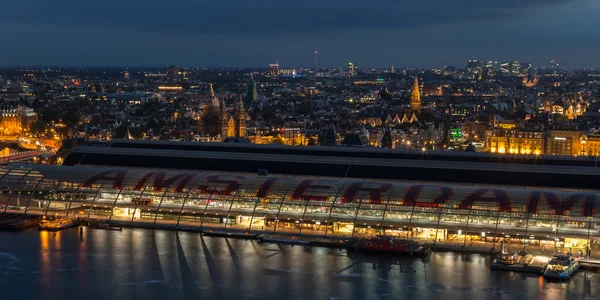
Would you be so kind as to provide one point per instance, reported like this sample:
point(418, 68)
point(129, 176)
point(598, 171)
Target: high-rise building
point(474, 68)
point(393, 70)
point(126, 75)
point(173, 75)
point(351, 69)
point(251, 95)
point(274, 70)
point(415, 99)
point(184, 75)
point(515, 68)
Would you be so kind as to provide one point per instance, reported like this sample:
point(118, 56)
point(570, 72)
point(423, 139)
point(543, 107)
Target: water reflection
point(167, 265)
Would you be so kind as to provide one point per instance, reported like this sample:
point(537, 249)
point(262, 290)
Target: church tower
point(415, 100)
point(241, 116)
point(223, 122)
point(214, 101)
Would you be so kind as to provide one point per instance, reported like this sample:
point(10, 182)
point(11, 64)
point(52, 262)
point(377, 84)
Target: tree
point(427, 116)
point(304, 108)
point(38, 127)
point(386, 140)
point(385, 95)
point(268, 114)
point(120, 131)
point(49, 115)
point(558, 118)
point(71, 118)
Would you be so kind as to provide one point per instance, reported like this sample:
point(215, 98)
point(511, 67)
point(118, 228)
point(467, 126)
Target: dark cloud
point(421, 33)
point(259, 16)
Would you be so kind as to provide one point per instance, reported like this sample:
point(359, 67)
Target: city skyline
point(424, 35)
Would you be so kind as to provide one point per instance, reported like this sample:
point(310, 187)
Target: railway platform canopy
point(297, 205)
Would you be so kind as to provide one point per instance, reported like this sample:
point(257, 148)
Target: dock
point(589, 263)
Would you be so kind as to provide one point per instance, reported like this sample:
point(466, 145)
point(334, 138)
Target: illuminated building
point(369, 82)
point(572, 108)
point(233, 125)
point(296, 205)
point(169, 88)
point(16, 120)
point(274, 70)
point(415, 99)
point(218, 120)
point(563, 142)
point(173, 75)
point(367, 98)
point(589, 145)
point(512, 140)
point(530, 82)
point(474, 68)
point(289, 72)
point(352, 69)
point(407, 117)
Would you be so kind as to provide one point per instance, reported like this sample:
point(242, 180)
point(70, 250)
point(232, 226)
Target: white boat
point(561, 266)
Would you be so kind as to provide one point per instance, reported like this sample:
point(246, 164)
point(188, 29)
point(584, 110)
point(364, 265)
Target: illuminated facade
point(323, 206)
point(274, 70)
point(563, 142)
point(218, 120)
point(415, 99)
point(16, 120)
point(590, 145)
point(351, 69)
point(514, 141)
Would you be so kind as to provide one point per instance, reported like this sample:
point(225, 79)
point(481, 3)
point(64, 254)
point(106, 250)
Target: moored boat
point(391, 244)
point(561, 266)
point(519, 262)
point(56, 224)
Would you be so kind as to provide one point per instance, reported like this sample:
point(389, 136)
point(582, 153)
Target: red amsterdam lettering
point(500, 197)
point(116, 176)
point(562, 207)
point(232, 184)
point(375, 193)
point(159, 181)
point(414, 191)
point(299, 193)
point(265, 187)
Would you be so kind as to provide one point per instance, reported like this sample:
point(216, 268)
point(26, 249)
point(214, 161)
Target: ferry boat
point(561, 266)
point(391, 244)
point(56, 224)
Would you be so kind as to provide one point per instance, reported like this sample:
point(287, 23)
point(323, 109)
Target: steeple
point(241, 111)
point(214, 101)
point(415, 100)
point(128, 135)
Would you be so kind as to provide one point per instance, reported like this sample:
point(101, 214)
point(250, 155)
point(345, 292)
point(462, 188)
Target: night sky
point(240, 33)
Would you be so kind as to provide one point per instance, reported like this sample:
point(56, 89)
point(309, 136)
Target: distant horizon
point(462, 67)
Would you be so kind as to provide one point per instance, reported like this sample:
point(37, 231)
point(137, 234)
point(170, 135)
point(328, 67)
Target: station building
point(305, 205)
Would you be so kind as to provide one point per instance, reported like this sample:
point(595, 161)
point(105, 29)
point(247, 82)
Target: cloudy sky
point(229, 33)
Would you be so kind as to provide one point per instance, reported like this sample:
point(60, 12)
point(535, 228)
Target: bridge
point(22, 156)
